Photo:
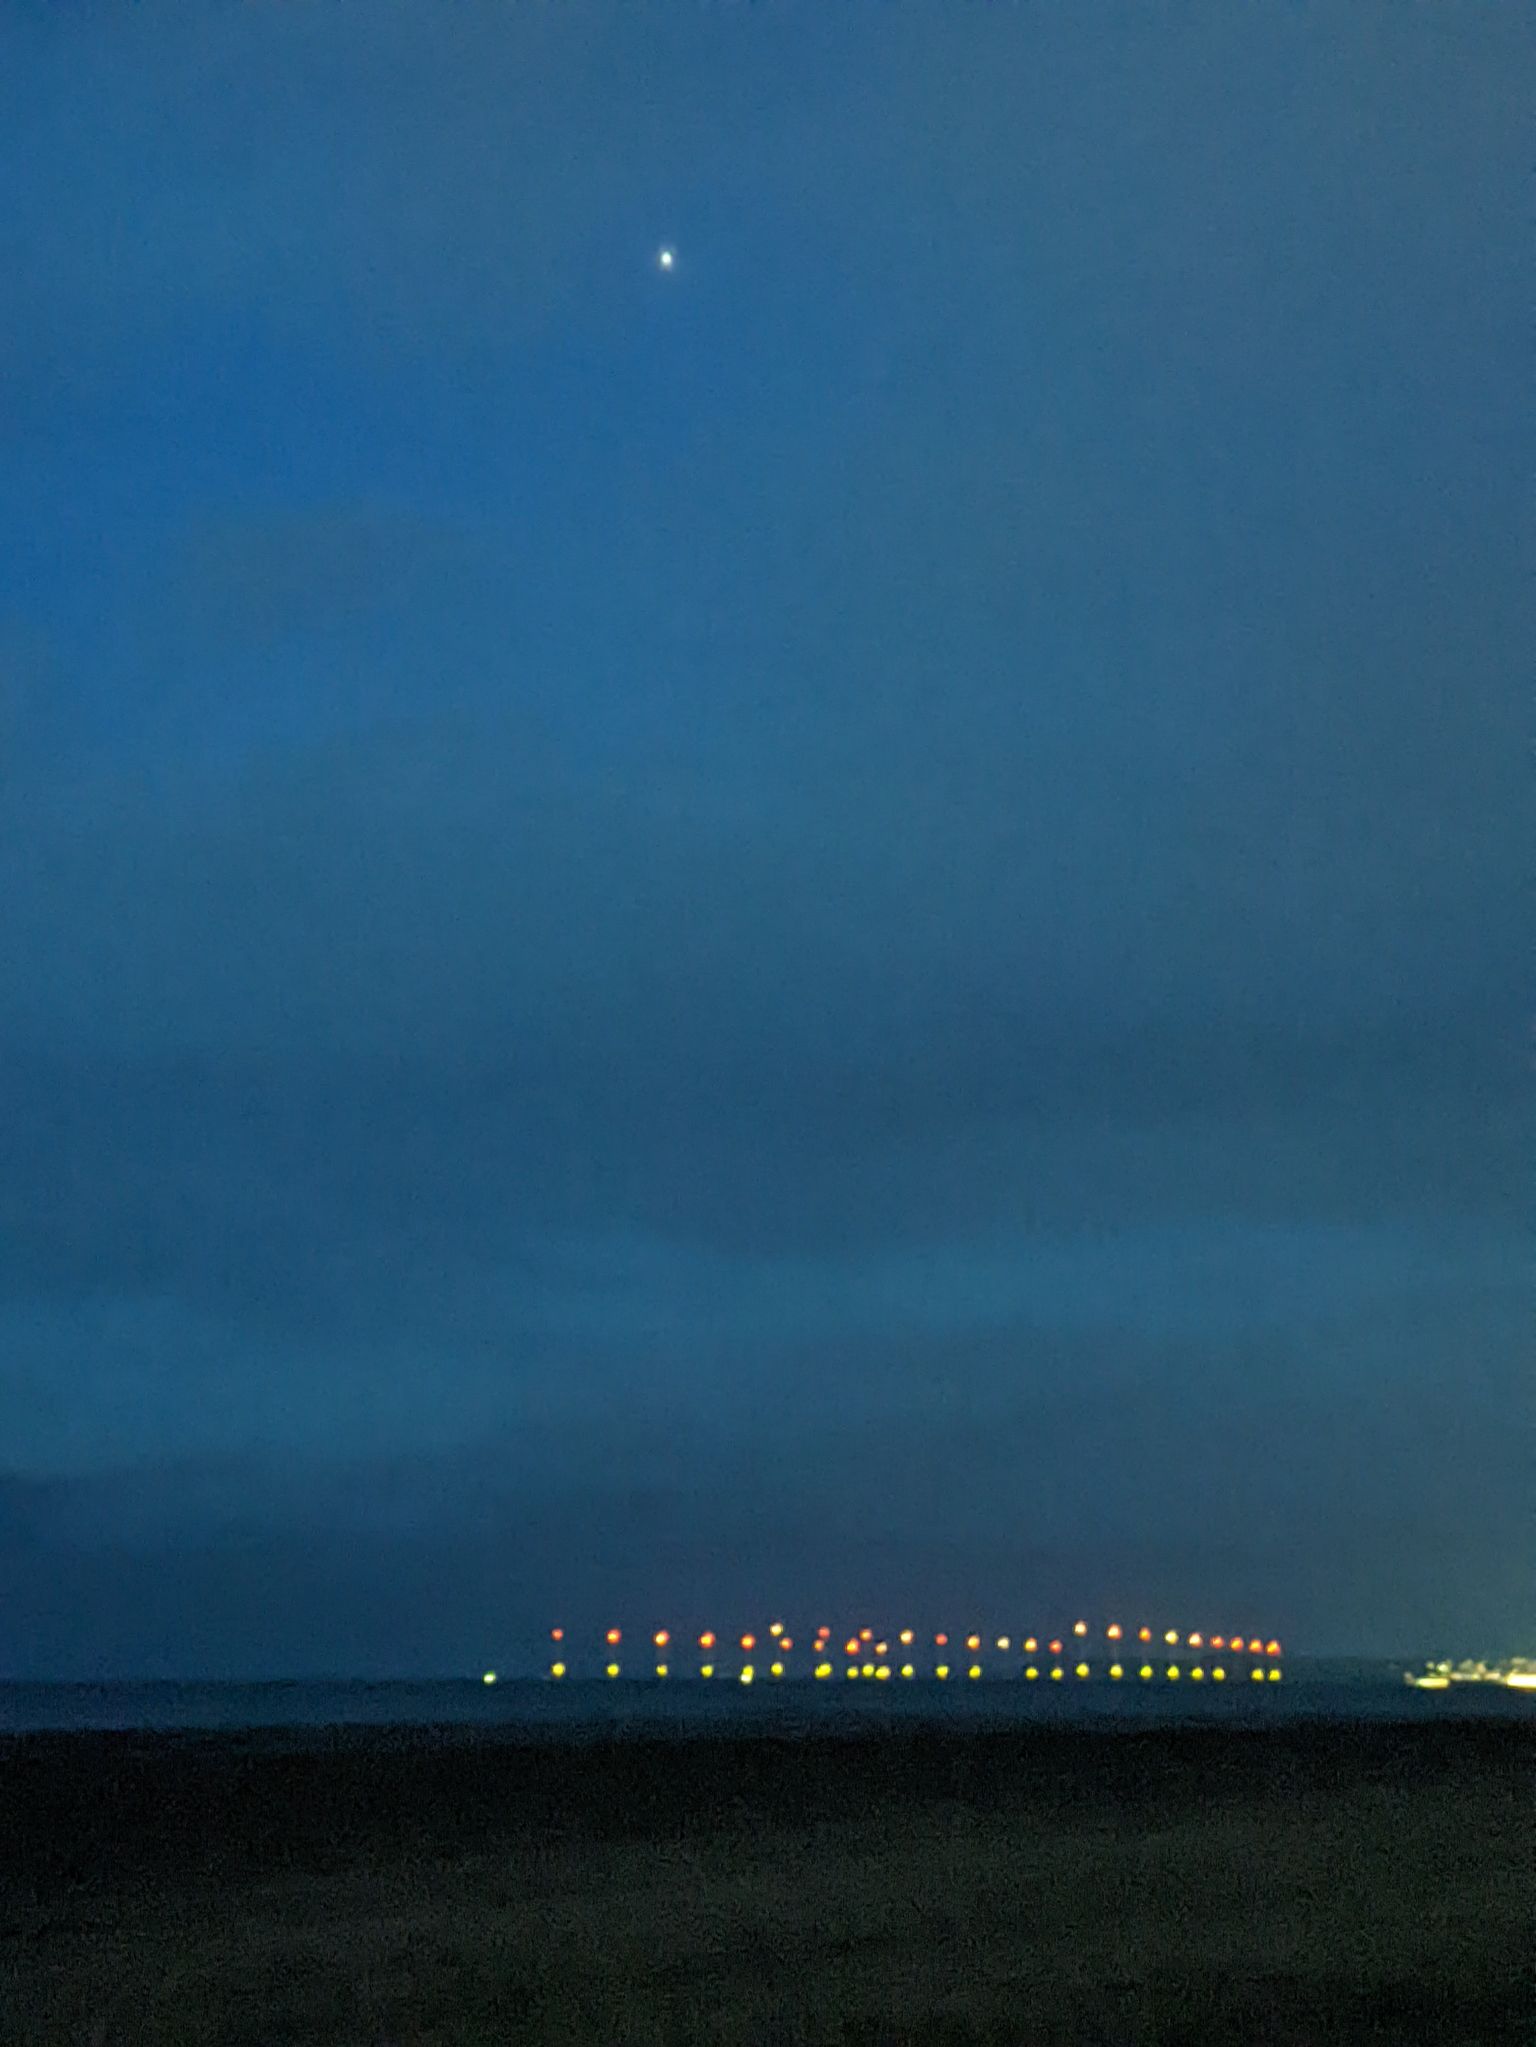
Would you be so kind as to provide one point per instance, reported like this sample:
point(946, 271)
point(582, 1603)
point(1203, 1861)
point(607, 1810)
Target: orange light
point(785, 1642)
point(866, 1634)
point(1079, 1627)
point(906, 1635)
point(1144, 1634)
point(1218, 1641)
point(615, 1635)
point(1055, 1648)
point(749, 1641)
point(852, 1645)
point(661, 1638)
point(882, 1648)
point(1195, 1641)
point(1113, 1631)
point(1255, 1648)
point(1274, 1649)
point(1031, 1646)
point(706, 1640)
point(942, 1641)
point(557, 1634)
point(973, 1641)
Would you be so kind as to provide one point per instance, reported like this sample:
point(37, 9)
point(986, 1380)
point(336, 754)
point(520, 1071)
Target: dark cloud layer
point(850, 926)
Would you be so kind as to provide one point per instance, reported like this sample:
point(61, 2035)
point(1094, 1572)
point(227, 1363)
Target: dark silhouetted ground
point(1306, 1885)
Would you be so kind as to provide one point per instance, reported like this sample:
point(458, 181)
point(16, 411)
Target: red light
point(706, 1640)
point(1055, 1648)
point(614, 1635)
point(1218, 1641)
point(557, 1634)
point(942, 1640)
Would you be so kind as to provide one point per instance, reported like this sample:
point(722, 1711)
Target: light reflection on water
point(593, 1708)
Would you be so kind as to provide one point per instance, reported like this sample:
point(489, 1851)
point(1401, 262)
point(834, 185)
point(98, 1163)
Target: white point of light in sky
point(665, 258)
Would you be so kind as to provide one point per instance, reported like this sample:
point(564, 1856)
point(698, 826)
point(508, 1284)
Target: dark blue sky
point(846, 927)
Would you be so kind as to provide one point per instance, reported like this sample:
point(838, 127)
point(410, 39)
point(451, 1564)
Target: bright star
point(665, 258)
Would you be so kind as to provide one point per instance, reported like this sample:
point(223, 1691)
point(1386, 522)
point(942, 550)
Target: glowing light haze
point(847, 932)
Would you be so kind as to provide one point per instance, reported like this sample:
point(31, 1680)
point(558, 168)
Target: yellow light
point(1079, 1627)
point(661, 1670)
point(853, 1670)
point(1274, 1675)
point(907, 1670)
point(489, 1678)
point(613, 1670)
point(883, 1672)
point(706, 1670)
point(906, 1638)
point(557, 1670)
point(747, 1673)
point(1146, 1670)
point(1002, 1641)
point(1031, 1672)
point(974, 1671)
point(1082, 1670)
point(1172, 1636)
point(1433, 1683)
point(1113, 1631)
point(1257, 1676)
point(776, 1670)
point(1173, 1670)
point(775, 1627)
point(1116, 1670)
point(823, 1670)
point(1218, 1673)
point(942, 1670)
point(1197, 1672)
point(1517, 1680)
point(1056, 1672)
point(866, 1670)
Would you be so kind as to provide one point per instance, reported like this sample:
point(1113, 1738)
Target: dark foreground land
point(1304, 1885)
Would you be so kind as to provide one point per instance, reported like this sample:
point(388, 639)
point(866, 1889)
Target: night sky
point(843, 929)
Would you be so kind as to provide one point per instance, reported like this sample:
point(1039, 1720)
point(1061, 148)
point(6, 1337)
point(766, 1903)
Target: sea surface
point(575, 1709)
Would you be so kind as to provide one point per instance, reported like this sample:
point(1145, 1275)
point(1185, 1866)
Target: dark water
point(1310, 1689)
